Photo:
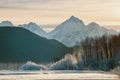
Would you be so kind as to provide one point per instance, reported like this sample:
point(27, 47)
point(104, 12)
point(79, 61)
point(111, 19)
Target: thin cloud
point(52, 10)
point(26, 3)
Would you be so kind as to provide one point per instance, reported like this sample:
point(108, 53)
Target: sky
point(52, 12)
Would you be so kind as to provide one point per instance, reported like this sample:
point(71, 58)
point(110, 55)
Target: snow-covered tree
point(67, 63)
point(32, 66)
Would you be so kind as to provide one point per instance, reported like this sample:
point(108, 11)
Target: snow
point(73, 31)
point(69, 26)
point(33, 27)
point(6, 23)
point(67, 63)
point(62, 74)
point(32, 66)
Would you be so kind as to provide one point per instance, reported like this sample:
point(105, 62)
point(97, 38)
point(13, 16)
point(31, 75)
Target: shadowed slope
point(19, 45)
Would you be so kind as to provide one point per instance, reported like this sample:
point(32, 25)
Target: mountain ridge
point(20, 45)
point(6, 23)
point(70, 32)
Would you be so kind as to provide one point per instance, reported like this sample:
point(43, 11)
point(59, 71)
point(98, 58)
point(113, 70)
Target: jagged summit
point(93, 24)
point(72, 31)
point(32, 24)
point(75, 20)
point(71, 24)
point(6, 23)
point(33, 27)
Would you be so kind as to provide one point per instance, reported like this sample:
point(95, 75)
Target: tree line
point(100, 52)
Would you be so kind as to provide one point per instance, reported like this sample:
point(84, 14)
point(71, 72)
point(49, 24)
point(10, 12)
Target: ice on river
point(60, 74)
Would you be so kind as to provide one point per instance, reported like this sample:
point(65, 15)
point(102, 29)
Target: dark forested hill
point(19, 45)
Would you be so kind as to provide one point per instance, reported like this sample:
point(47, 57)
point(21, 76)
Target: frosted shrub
point(67, 63)
point(32, 66)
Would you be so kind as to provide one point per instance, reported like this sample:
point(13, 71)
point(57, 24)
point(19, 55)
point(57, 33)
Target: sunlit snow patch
point(32, 66)
point(67, 63)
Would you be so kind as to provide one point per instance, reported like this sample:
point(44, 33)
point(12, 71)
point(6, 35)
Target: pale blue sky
point(104, 12)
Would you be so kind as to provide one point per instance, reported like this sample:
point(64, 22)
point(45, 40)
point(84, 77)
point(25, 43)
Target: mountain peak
point(73, 17)
point(75, 20)
point(93, 24)
point(6, 23)
point(32, 24)
point(35, 28)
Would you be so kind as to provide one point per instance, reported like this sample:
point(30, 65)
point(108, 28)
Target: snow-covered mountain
point(73, 31)
point(70, 33)
point(33, 27)
point(6, 23)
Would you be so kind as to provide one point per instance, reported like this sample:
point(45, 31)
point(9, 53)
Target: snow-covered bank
point(32, 66)
point(62, 74)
